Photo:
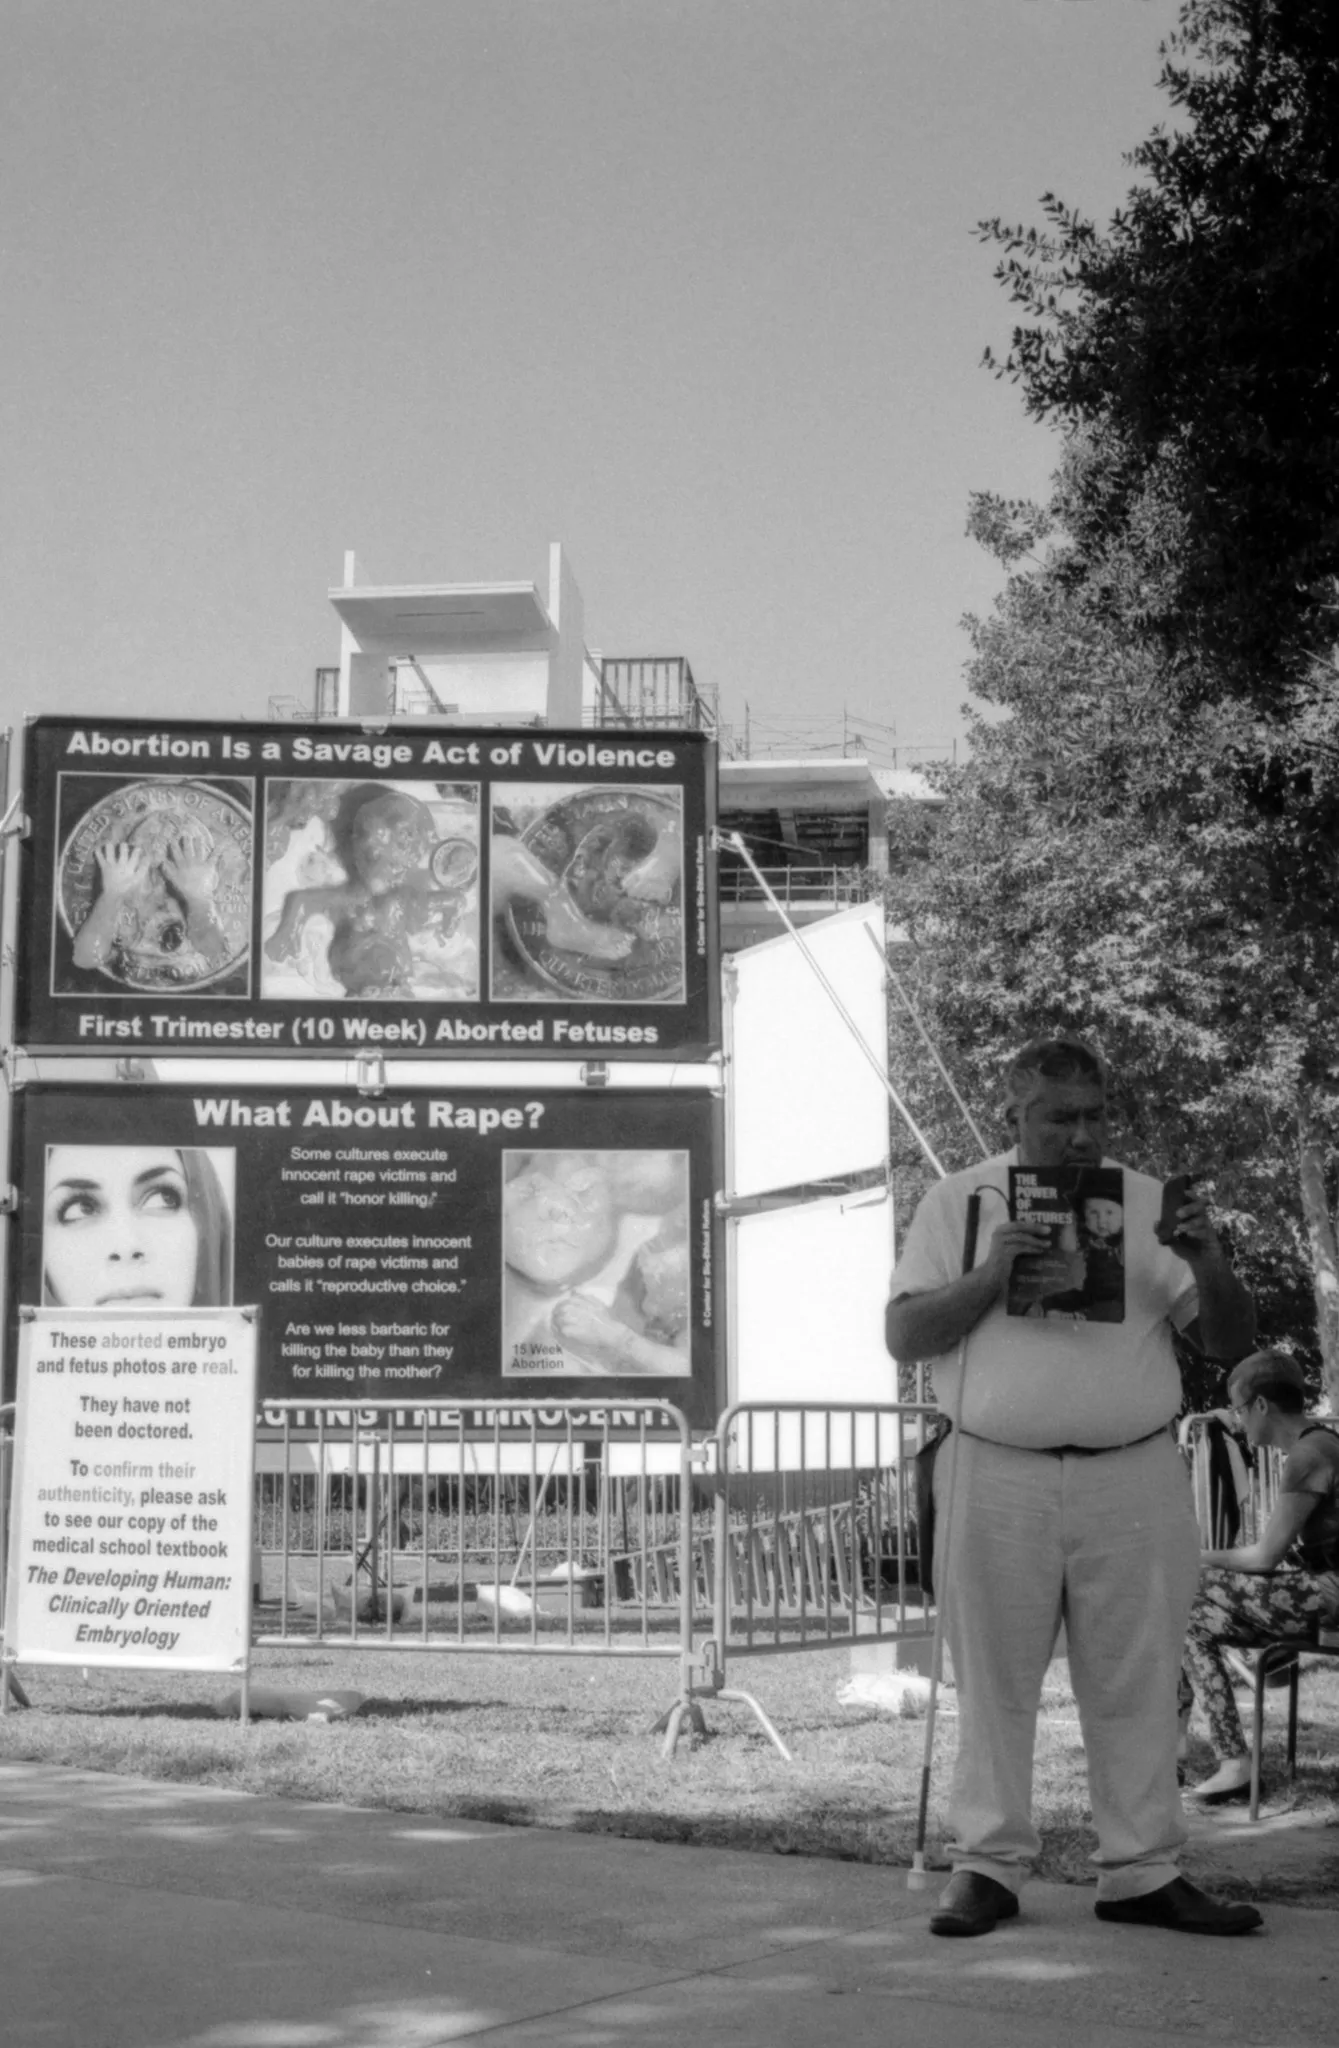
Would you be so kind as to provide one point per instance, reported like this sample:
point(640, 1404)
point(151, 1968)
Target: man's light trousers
point(1109, 1546)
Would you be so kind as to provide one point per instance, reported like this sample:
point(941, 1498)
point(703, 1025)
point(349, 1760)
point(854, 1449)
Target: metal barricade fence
point(1235, 1494)
point(506, 1526)
point(816, 1538)
point(566, 1529)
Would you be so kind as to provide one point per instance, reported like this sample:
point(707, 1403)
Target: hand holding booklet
point(1081, 1276)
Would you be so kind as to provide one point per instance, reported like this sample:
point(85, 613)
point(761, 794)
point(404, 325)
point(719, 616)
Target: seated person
point(1286, 1583)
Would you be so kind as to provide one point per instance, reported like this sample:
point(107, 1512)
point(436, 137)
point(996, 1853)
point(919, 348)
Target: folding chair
point(1280, 1653)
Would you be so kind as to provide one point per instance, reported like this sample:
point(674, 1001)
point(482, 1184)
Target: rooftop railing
point(650, 691)
point(802, 885)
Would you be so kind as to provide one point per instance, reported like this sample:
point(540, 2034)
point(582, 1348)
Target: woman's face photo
point(117, 1227)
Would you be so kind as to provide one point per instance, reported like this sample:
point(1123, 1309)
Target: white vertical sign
point(803, 1102)
point(810, 1288)
point(130, 1543)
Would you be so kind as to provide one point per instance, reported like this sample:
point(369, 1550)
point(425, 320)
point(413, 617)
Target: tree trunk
point(1324, 1264)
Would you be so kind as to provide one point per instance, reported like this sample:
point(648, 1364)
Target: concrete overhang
point(834, 785)
point(427, 618)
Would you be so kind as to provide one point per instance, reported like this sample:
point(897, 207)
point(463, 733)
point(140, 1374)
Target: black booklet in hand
point(1082, 1275)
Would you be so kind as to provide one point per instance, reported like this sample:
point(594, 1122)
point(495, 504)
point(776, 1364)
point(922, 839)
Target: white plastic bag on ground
point(892, 1692)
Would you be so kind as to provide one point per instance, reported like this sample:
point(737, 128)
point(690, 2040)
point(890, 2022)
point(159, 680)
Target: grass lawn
point(566, 1742)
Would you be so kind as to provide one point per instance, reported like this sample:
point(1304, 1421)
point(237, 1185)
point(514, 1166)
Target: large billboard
point(435, 1246)
point(282, 889)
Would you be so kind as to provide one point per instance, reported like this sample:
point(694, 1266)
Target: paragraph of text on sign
point(133, 1489)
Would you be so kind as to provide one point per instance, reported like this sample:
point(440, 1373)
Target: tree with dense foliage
point(1085, 873)
point(1145, 843)
point(1196, 342)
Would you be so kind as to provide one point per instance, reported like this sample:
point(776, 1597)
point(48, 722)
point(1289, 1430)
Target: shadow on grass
point(374, 1709)
point(506, 1813)
point(834, 1832)
point(143, 1710)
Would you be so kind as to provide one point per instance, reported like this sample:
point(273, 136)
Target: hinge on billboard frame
point(369, 1073)
point(731, 1206)
point(865, 1188)
point(595, 1074)
point(9, 1200)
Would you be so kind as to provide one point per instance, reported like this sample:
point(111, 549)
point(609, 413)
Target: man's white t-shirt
point(1034, 1381)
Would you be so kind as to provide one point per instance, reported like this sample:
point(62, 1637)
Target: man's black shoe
point(972, 1904)
point(1183, 1908)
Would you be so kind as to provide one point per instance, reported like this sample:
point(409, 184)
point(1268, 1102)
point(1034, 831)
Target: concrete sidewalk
point(137, 1914)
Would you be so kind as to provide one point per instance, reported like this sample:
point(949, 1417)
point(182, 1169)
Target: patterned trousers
point(1242, 1610)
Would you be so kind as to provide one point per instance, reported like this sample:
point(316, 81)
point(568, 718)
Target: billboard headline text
point(302, 750)
point(336, 1113)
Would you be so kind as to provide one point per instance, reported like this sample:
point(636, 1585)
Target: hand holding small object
point(1185, 1225)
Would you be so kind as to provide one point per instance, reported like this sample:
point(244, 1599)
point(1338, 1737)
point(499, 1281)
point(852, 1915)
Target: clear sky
point(689, 285)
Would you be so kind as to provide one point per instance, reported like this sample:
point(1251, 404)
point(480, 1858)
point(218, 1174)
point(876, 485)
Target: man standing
point(1070, 1504)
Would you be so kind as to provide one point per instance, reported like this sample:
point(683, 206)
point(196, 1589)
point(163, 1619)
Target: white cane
point(918, 1877)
